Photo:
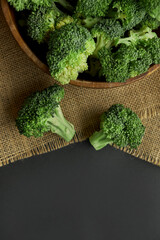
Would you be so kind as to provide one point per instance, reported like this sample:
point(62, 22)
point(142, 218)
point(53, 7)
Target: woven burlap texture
point(19, 77)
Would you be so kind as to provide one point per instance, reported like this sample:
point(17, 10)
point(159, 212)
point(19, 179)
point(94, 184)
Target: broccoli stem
point(65, 4)
point(99, 140)
point(144, 33)
point(89, 22)
point(59, 125)
point(101, 42)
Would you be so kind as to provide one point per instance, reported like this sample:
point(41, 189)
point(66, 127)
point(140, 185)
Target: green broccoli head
point(150, 22)
point(69, 48)
point(44, 20)
point(41, 22)
point(105, 32)
point(141, 64)
point(152, 46)
point(129, 12)
point(41, 112)
point(115, 65)
point(120, 126)
point(152, 7)
point(92, 8)
point(127, 61)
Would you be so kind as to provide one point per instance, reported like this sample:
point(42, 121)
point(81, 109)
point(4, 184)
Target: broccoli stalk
point(100, 43)
point(120, 126)
point(59, 125)
point(88, 22)
point(99, 140)
point(41, 112)
point(136, 36)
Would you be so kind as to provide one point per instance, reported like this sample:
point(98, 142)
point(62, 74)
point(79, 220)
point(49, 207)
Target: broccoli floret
point(132, 57)
point(120, 126)
point(105, 32)
point(41, 112)
point(44, 20)
point(29, 4)
point(150, 22)
point(128, 61)
point(114, 65)
point(141, 64)
point(69, 48)
point(137, 35)
point(19, 5)
point(129, 12)
point(152, 7)
point(41, 22)
point(35, 4)
point(92, 8)
point(152, 46)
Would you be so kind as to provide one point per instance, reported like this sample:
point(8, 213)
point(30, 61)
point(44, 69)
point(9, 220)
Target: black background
point(80, 194)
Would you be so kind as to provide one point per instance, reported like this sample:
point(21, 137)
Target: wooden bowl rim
point(8, 14)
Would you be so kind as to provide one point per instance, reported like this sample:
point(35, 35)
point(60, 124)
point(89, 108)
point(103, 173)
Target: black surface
point(80, 194)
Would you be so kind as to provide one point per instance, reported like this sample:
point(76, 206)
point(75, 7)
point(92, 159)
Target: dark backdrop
point(77, 193)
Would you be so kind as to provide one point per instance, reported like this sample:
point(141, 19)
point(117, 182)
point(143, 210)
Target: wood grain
point(10, 19)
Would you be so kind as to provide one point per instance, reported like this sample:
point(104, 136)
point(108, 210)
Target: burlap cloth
point(19, 77)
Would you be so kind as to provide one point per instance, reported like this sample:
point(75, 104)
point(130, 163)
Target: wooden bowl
point(10, 19)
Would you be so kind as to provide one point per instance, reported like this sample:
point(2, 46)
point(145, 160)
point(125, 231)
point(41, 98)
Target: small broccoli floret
point(152, 46)
point(42, 22)
point(19, 5)
point(69, 48)
point(29, 4)
point(152, 7)
point(114, 65)
point(105, 32)
point(41, 112)
point(120, 126)
point(141, 64)
point(128, 61)
point(137, 35)
point(129, 12)
point(35, 4)
point(150, 22)
point(92, 8)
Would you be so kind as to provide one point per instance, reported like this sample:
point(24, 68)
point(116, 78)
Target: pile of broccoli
point(112, 40)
